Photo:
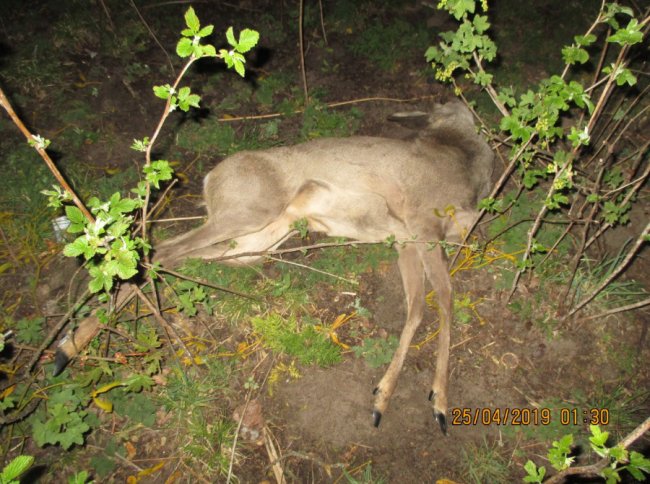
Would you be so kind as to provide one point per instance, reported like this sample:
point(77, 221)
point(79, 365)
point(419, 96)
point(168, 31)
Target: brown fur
point(363, 188)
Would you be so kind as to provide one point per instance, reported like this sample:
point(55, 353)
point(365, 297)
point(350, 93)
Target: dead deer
point(362, 188)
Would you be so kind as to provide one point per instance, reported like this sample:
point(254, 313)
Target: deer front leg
point(412, 273)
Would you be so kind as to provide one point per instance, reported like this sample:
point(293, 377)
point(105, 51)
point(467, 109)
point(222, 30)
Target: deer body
point(362, 188)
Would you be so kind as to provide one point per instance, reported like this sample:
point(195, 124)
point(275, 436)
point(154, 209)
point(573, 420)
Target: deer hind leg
point(412, 273)
point(435, 266)
point(268, 238)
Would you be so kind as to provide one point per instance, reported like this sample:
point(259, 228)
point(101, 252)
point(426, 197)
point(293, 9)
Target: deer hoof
point(376, 418)
point(441, 419)
point(60, 362)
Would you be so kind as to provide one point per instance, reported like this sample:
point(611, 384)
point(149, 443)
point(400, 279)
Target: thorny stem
point(154, 137)
point(490, 89)
point(4, 102)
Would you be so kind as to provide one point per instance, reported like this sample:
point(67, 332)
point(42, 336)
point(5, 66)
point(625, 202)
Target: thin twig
point(10, 249)
point(302, 49)
point(203, 282)
point(349, 281)
point(583, 239)
point(641, 239)
point(322, 20)
point(111, 25)
point(176, 219)
point(163, 322)
point(234, 442)
point(231, 119)
point(4, 102)
point(620, 309)
point(153, 36)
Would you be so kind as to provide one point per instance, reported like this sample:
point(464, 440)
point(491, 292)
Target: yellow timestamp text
point(529, 416)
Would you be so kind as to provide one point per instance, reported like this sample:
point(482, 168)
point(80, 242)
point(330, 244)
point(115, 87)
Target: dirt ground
point(322, 422)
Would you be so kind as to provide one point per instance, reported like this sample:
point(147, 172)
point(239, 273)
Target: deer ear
point(411, 119)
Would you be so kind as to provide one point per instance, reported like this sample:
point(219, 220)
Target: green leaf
point(163, 92)
point(459, 8)
point(230, 37)
point(573, 54)
point(138, 382)
point(531, 178)
point(629, 35)
point(75, 215)
point(247, 40)
point(638, 465)
point(535, 474)
point(16, 467)
point(127, 263)
point(29, 330)
point(186, 99)
point(618, 453)
point(239, 67)
point(184, 48)
point(192, 21)
point(625, 76)
point(481, 23)
point(598, 440)
point(79, 478)
point(482, 78)
point(209, 51)
point(64, 426)
point(119, 205)
point(100, 279)
point(78, 247)
point(140, 189)
point(205, 31)
point(158, 171)
point(557, 454)
point(585, 40)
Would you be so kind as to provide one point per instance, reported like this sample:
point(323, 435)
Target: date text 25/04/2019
point(529, 416)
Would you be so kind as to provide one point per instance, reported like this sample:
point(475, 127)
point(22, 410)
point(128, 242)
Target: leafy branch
point(542, 149)
point(614, 460)
point(107, 232)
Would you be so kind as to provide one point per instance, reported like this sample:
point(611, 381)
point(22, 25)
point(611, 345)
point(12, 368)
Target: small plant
point(304, 343)
point(366, 477)
point(377, 351)
point(30, 330)
point(251, 384)
point(484, 463)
